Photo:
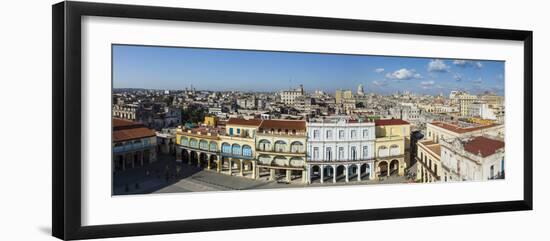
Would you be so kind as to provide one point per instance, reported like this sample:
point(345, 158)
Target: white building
point(468, 159)
point(340, 150)
point(481, 110)
point(288, 96)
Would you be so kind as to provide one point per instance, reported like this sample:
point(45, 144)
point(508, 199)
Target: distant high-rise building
point(288, 96)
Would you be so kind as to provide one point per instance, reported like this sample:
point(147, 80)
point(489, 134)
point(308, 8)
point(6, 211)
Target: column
point(230, 167)
point(199, 159)
point(305, 178)
point(208, 161)
point(254, 170)
point(322, 168)
point(288, 175)
point(241, 165)
point(346, 169)
point(271, 174)
point(333, 174)
point(308, 174)
point(371, 171)
point(218, 164)
point(178, 154)
point(359, 173)
point(188, 157)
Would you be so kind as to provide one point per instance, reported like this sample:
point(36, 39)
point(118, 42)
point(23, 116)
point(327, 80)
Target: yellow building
point(237, 147)
point(199, 146)
point(281, 150)
point(429, 161)
point(391, 144)
point(210, 121)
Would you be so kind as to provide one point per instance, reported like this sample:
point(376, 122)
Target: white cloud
point(380, 83)
point(438, 65)
point(427, 83)
point(379, 70)
point(403, 74)
point(468, 63)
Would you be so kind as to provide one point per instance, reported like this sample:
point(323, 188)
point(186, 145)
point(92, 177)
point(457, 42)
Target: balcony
point(132, 147)
point(297, 152)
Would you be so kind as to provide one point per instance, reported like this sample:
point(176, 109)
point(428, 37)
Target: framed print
point(172, 120)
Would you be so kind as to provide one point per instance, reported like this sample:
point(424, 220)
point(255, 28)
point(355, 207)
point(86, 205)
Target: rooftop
point(459, 129)
point(243, 122)
point(483, 146)
point(124, 130)
point(390, 122)
point(283, 124)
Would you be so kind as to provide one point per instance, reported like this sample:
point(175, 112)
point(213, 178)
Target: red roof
point(483, 145)
point(284, 124)
point(243, 122)
point(124, 130)
point(390, 122)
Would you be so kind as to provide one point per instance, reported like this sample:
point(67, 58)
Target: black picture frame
point(66, 127)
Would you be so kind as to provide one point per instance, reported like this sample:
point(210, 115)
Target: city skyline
point(150, 67)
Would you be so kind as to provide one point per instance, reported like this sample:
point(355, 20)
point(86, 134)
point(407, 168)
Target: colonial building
point(340, 150)
point(448, 149)
point(199, 146)
point(428, 161)
point(281, 149)
point(134, 145)
point(237, 147)
point(393, 138)
point(472, 158)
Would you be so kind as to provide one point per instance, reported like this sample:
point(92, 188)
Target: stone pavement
point(167, 176)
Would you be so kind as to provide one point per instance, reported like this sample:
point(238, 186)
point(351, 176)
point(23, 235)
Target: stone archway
point(394, 167)
point(383, 168)
point(203, 160)
point(340, 173)
point(328, 173)
point(365, 171)
point(315, 174)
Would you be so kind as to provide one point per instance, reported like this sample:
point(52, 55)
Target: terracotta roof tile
point(390, 122)
point(284, 124)
point(124, 130)
point(243, 122)
point(483, 145)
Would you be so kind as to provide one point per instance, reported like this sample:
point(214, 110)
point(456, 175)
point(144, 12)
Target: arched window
point(264, 145)
point(329, 154)
point(203, 144)
point(383, 151)
point(226, 148)
point(296, 147)
point(213, 146)
point(365, 152)
point(247, 150)
point(280, 146)
point(194, 143)
point(394, 150)
point(236, 149)
point(353, 153)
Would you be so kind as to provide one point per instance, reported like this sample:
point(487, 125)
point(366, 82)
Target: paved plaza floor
point(167, 176)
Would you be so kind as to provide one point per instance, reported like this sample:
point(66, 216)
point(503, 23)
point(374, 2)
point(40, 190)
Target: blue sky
point(214, 69)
